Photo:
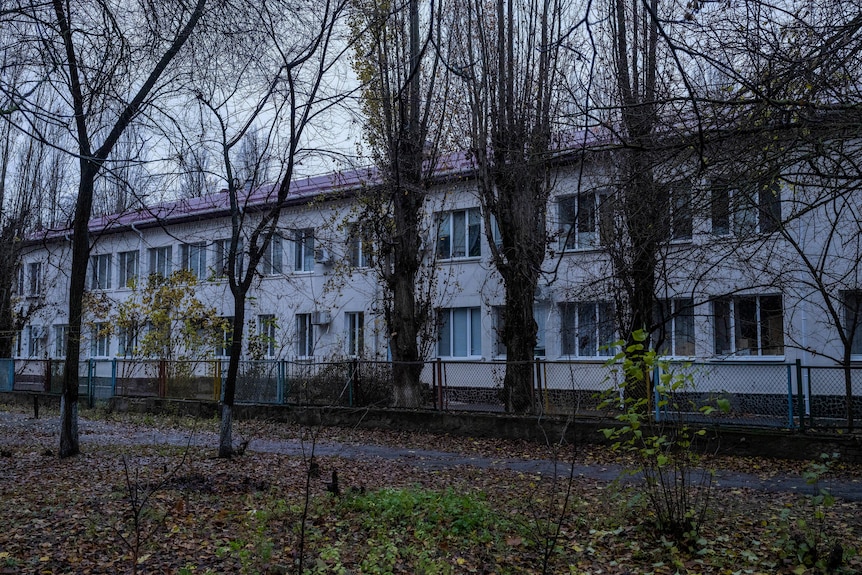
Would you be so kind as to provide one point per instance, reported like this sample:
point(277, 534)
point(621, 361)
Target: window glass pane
point(721, 327)
point(771, 325)
point(460, 319)
point(770, 207)
point(681, 222)
point(540, 314)
point(684, 327)
point(444, 236)
point(720, 211)
point(606, 328)
point(587, 329)
point(444, 346)
point(853, 319)
point(567, 208)
point(745, 211)
point(745, 324)
point(568, 328)
point(459, 231)
point(475, 331)
point(474, 233)
point(586, 223)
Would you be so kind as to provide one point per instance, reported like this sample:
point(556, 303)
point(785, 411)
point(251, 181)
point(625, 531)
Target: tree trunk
point(225, 445)
point(69, 445)
point(520, 336)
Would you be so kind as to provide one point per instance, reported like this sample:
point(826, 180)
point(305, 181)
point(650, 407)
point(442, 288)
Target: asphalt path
point(17, 428)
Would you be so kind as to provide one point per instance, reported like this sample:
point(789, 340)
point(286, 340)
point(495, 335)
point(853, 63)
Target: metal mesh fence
point(828, 392)
point(758, 393)
point(755, 394)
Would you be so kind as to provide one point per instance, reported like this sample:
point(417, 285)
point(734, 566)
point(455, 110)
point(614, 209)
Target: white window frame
point(34, 272)
point(61, 340)
point(734, 213)
point(728, 325)
point(584, 221)
point(681, 216)
point(100, 340)
point(587, 329)
point(304, 335)
point(194, 258)
point(35, 340)
point(678, 316)
point(303, 250)
point(222, 258)
point(160, 261)
point(272, 262)
point(129, 265)
point(358, 252)
point(354, 334)
point(459, 234)
point(222, 349)
point(127, 342)
point(267, 327)
point(449, 337)
point(100, 272)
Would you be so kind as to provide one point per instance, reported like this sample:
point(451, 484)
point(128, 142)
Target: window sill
point(458, 260)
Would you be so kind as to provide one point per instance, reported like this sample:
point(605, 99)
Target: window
point(222, 258)
point(127, 341)
point(222, 349)
point(272, 257)
point(852, 301)
point(61, 340)
point(680, 211)
point(540, 314)
point(100, 271)
point(194, 258)
point(36, 341)
point(746, 210)
point(266, 326)
point(676, 327)
point(128, 262)
point(586, 329)
point(749, 325)
point(460, 332)
point(100, 341)
point(358, 248)
point(160, 261)
point(585, 221)
point(34, 273)
point(21, 285)
point(354, 339)
point(304, 335)
point(303, 250)
point(19, 343)
point(459, 234)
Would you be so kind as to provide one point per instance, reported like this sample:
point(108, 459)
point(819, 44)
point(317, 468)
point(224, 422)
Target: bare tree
point(404, 100)
point(105, 63)
point(509, 56)
point(260, 120)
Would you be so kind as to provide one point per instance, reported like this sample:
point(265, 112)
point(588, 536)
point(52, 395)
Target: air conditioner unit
point(320, 317)
point(323, 256)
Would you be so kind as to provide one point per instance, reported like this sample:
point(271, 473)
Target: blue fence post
point(801, 396)
point(656, 378)
point(113, 377)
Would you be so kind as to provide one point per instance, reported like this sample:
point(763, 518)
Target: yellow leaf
point(44, 558)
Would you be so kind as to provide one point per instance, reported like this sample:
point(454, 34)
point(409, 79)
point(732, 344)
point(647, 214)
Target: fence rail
point(761, 393)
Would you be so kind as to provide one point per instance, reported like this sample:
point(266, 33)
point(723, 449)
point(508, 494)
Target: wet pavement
point(18, 429)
